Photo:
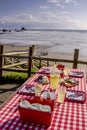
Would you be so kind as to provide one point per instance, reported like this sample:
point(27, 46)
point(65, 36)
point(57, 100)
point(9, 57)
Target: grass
point(15, 77)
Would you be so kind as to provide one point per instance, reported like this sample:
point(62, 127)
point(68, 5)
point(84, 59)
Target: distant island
point(41, 29)
point(17, 30)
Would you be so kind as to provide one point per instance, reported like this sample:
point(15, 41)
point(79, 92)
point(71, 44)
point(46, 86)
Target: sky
point(43, 14)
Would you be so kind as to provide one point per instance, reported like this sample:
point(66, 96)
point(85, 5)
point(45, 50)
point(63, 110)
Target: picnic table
point(66, 116)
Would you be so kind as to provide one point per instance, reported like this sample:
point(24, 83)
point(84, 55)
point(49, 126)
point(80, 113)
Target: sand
point(7, 90)
point(39, 49)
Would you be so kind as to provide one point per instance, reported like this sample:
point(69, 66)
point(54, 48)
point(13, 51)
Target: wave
point(57, 40)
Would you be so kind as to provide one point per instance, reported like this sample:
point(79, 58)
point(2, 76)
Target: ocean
point(58, 41)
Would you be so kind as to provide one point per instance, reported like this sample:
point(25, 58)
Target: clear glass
point(54, 81)
point(61, 95)
point(66, 71)
point(54, 77)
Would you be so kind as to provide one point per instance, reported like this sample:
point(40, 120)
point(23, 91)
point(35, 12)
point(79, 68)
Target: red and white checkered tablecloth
point(66, 116)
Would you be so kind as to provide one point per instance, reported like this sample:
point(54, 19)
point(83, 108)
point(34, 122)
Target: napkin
point(35, 106)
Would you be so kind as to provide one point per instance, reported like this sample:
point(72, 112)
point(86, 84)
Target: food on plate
point(74, 95)
point(43, 79)
point(69, 82)
point(27, 90)
point(48, 95)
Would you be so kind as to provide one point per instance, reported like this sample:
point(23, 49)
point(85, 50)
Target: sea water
point(58, 41)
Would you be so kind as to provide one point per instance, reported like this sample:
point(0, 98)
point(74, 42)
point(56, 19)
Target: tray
point(28, 90)
point(75, 96)
point(70, 82)
point(35, 116)
point(76, 74)
point(42, 79)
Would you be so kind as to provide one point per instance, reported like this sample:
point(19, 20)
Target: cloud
point(53, 1)
point(61, 3)
point(71, 1)
point(57, 3)
point(17, 19)
point(48, 16)
point(60, 21)
point(64, 12)
point(25, 16)
point(46, 19)
point(43, 7)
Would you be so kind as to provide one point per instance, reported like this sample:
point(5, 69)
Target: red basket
point(36, 116)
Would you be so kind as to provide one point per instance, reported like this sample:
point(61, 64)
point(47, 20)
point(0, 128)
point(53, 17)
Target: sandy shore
point(39, 49)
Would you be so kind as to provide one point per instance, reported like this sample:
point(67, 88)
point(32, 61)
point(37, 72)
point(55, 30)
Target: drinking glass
point(61, 95)
point(54, 78)
point(54, 81)
point(66, 71)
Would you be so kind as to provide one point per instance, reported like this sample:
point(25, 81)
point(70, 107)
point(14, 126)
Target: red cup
point(60, 67)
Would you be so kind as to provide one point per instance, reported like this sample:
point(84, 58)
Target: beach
point(39, 49)
point(6, 90)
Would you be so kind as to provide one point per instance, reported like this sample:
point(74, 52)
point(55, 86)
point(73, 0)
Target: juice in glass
point(54, 81)
point(61, 95)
